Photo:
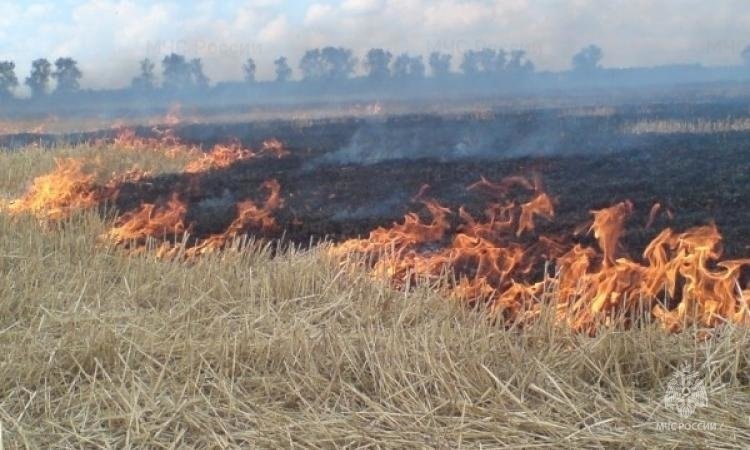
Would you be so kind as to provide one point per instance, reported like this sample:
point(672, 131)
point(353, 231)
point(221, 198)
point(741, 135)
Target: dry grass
point(248, 350)
point(695, 126)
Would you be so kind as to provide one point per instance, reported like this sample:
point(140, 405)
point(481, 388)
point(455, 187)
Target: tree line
point(178, 73)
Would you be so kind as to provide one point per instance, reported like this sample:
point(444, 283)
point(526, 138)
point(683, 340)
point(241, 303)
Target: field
point(275, 342)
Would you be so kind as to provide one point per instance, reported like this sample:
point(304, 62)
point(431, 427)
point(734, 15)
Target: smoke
point(494, 135)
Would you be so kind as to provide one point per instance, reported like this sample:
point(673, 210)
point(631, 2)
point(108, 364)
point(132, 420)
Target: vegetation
point(269, 347)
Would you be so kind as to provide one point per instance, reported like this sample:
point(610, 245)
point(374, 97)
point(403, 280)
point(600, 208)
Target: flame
point(680, 280)
point(150, 221)
point(250, 217)
point(58, 194)
point(220, 157)
point(500, 259)
point(166, 143)
point(70, 188)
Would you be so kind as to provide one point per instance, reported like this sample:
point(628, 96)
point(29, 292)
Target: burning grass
point(266, 346)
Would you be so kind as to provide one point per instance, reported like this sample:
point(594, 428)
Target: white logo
point(686, 391)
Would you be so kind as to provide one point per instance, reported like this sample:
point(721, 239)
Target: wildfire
point(679, 282)
point(56, 195)
point(223, 156)
point(498, 259)
point(150, 221)
point(165, 143)
point(71, 187)
point(250, 217)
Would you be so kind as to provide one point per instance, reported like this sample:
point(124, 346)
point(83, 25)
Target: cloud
point(361, 6)
point(318, 13)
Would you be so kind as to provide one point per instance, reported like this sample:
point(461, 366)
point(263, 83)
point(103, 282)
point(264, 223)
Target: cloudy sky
point(108, 37)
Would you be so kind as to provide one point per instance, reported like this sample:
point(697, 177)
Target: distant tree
point(518, 63)
point(329, 63)
point(587, 59)
point(440, 64)
point(340, 63)
point(38, 80)
point(8, 80)
point(495, 62)
point(180, 74)
point(377, 64)
point(406, 66)
point(176, 72)
point(198, 78)
point(283, 71)
point(67, 75)
point(312, 65)
point(249, 70)
point(471, 63)
point(485, 61)
point(746, 56)
point(146, 81)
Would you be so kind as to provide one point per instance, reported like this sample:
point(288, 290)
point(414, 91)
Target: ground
point(272, 346)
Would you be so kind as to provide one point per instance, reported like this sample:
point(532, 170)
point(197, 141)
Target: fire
point(167, 225)
point(166, 143)
point(220, 157)
point(250, 217)
point(274, 147)
point(150, 221)
point(223, 156)
point(56, 195)
point(680, 280)
point(499, 259)
point(71, 187)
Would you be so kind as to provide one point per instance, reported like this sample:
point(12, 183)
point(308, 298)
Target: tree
point(198, 78)
point(67, 75)
point(406, 66)
point(176, 72)
point(8, 80)
point(746, 56)
point(311, 65)
point(38, 80)
point(249, 70)
point(485, 61)
point(471, 65)
point(587, 59)
point(181, 74)
point(283, 71)
point(146, 81)
point(376, 64)
point(340, 62)
point(518, 63)
point(440, 64)
point(329, 63)
point(495, 62)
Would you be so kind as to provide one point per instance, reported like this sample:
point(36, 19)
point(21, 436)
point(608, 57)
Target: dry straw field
point(265, 346)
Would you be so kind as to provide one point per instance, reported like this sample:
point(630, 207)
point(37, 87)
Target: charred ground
point(343, 177)
point(701, 180)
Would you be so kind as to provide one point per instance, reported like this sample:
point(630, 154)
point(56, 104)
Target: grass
point(263, 348)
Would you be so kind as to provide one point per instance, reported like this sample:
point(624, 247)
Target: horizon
point(551, 32)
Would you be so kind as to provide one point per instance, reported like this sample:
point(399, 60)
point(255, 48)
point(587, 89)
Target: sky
point(109, 37)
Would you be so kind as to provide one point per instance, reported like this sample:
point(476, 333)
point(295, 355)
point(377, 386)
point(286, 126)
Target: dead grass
point(248, 350)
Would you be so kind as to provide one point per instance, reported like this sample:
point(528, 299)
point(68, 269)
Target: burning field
point(497, 260)
point(161, 291)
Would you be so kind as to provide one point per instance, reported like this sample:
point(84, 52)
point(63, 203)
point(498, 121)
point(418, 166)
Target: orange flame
point(674, 285)
point(56, 195)
point(249, 217)
point(167, 143)
point(150, 221)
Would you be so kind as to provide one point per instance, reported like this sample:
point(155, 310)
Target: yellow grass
point(248, 350)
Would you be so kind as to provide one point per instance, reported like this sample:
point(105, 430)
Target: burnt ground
point(701, 178)
point(346, 176)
